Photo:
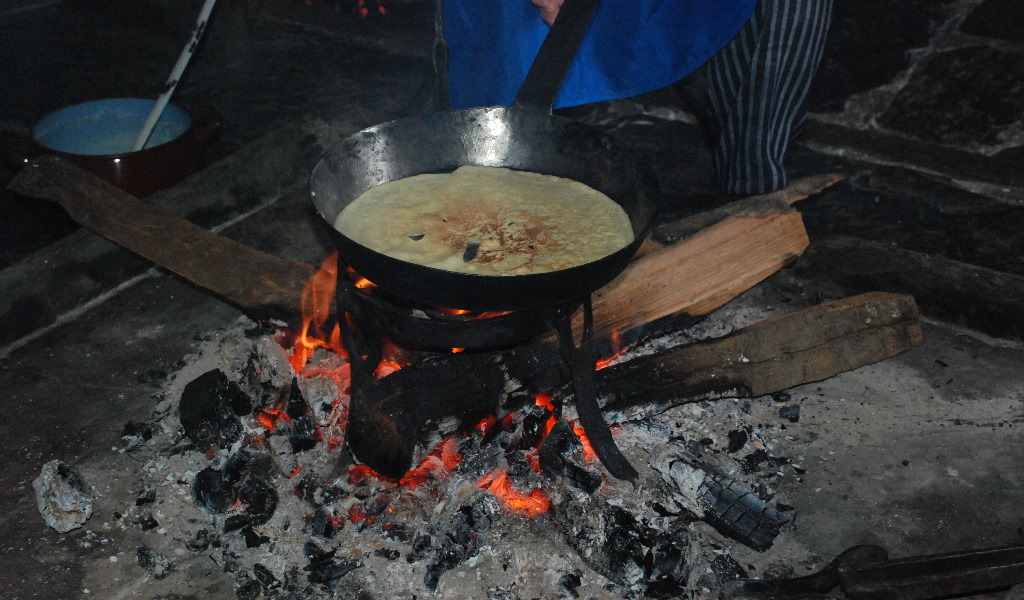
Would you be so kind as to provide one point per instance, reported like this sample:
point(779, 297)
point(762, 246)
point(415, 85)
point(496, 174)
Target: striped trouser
point(757, 87)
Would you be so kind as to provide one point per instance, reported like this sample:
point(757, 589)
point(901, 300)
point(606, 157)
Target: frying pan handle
point(552, 62)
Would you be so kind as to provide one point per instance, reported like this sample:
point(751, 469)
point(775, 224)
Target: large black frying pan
point(525, 136)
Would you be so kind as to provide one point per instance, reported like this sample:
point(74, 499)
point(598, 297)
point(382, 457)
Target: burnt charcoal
point(518, 467)
point(314, 491)
point(480, 460)
point(148, 523)
point(207, 412)
point(724, 569)
point(240, 484)
point(665, 571)
point(556, 446)
point(265, 577)
point(585, 480)
point(297, 405)
point(134, 435)
point(325, 568)
point(456, 540)
point(446, 557)
point(572, 582)
point(309, 489)
point(211, 492)
point(481, 517)
point(259, 500)
point(790, 412)
point(757, 458)
point(375, 506)
point(736, 512)
point(399, 532)
point(554, 459)
point(323, 523)
point(628, 551)
point(249, 464)
point(155, 563)
point(250, 590)
point(200, 542)
point(253, 539)
point(534, 423)
point(303, 434)
point(420, 546)
point(737, 439)
point(230, 560)
point(388, 553)
point(148, 496)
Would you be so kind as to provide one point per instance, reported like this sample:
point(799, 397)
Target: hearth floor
point(921, 453)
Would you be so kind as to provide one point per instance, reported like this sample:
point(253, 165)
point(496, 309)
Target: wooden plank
point(702, 273)
point(262, 285)
point(809, 345)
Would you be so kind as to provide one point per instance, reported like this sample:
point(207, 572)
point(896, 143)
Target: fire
point(318, 331)
point(610, 360)
point(532, 504)
point(546, 401)
point(317, 298)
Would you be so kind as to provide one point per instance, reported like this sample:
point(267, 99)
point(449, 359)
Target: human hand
point(548, 9)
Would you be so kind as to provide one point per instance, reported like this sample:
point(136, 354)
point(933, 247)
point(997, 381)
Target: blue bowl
point(107, 127)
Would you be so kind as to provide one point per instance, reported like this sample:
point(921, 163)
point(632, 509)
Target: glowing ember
point(532, 504)
point(268, 417)
point(588, 450)
point(545, 401)
point(441, 460)
point(317, 303)
point(610, 360)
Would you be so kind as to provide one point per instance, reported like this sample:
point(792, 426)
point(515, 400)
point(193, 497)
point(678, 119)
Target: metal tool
point(867, 573)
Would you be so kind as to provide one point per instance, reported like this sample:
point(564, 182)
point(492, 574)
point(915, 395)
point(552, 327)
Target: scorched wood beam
point(443, 394)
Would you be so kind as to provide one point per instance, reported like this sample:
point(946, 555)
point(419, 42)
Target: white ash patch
point(333, 534)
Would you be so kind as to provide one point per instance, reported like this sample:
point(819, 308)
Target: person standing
point(753, 62)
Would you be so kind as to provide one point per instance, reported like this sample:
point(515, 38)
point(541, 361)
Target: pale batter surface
point(488, 221)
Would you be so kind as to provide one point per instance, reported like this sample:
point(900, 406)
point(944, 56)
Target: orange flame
point(316, 310)
point(532, 504)
point(610, 360)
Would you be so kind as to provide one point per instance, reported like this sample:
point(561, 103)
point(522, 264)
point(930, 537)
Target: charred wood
point(808, 345)
point(720, 499)
point(788, 350)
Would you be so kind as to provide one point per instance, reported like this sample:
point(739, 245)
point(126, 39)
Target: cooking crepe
point(487, 220)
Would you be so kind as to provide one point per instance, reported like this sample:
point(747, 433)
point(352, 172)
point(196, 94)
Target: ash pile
point(245, 475)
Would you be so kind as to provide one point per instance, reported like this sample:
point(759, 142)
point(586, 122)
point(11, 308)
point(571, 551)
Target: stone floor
point(919, 105)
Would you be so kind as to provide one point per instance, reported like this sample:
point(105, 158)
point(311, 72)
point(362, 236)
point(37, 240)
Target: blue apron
point(632, 47)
